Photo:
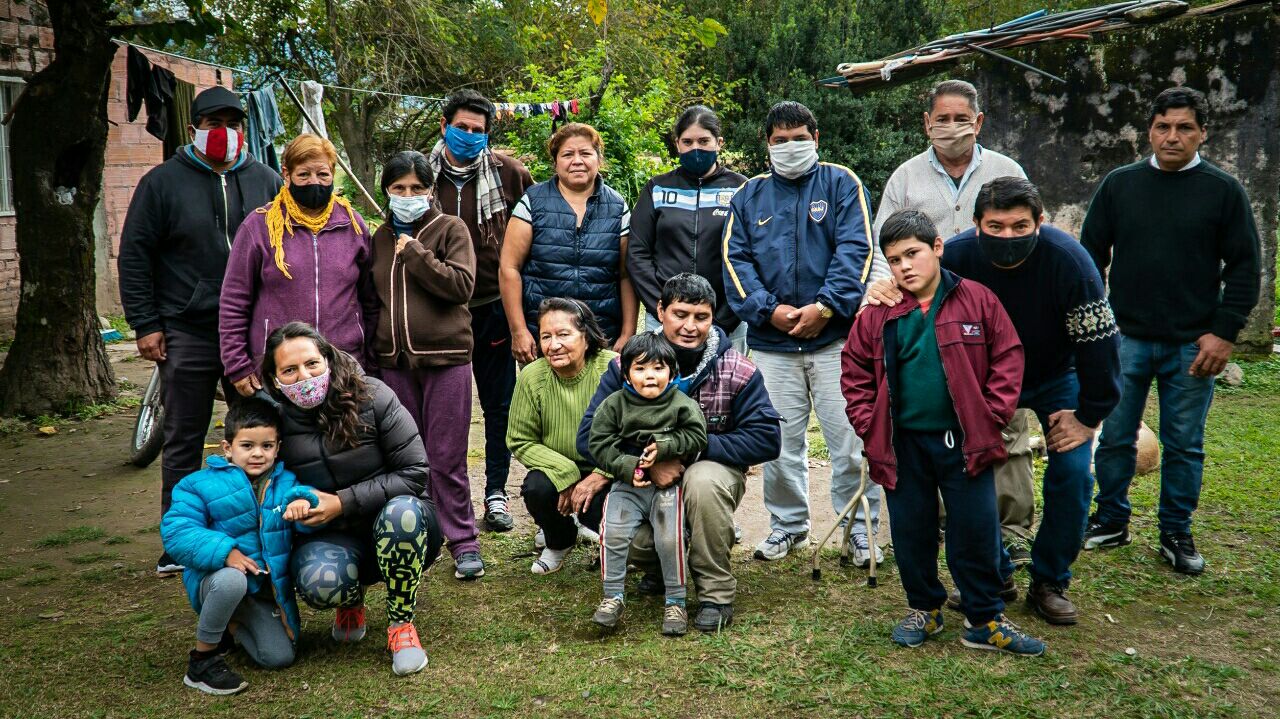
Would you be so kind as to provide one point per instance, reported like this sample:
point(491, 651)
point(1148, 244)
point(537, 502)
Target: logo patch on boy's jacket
point(818, 210)
point(969, 330)
point(724, 197)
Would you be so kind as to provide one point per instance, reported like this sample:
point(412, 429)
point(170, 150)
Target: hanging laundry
point(178, 117)
point(263, 125)
point(151, 85)
point(312, 98)
point(573, 106)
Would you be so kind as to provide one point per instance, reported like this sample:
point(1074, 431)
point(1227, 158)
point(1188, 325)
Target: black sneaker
point(713, 617)
point(497, 513)
point(227, 644)
point(651, 584)
point(1105, 536)
point(1019, 551)
point(1180, 551)
point(212, 676)
point(166, 566)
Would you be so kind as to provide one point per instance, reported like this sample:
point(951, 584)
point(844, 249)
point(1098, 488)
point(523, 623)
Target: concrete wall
point(26, 47)
point(1068, 137)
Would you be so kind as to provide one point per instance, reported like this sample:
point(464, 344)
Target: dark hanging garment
point(178, 114)
point(263, 125)
point(159, 96)
point(138, 80)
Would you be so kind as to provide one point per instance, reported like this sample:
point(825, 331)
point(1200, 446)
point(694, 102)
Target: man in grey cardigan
point(942, 182)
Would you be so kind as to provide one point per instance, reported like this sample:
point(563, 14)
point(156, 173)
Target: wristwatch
point(824, 312)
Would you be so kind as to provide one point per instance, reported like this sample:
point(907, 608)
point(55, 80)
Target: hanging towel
point(178, 117)
point(573, 106)
point(312, 97)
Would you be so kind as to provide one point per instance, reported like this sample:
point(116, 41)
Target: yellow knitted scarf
point(283, 213)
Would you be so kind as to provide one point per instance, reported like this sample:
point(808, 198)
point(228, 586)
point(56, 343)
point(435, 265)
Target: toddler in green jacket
point(649, 420)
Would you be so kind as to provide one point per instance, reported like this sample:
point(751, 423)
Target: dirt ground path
point(81, 477)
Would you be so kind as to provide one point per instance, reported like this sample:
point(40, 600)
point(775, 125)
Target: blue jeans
point(1184, 406)
point(1066, 488)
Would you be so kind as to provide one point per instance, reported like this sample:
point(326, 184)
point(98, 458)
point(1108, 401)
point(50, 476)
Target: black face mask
point(1007, 252)
point(312, 197)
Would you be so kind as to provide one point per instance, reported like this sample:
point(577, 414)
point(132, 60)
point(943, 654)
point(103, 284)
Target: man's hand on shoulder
point(884, 292)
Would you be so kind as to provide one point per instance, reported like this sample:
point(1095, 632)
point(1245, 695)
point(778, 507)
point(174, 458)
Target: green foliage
point(629, 125)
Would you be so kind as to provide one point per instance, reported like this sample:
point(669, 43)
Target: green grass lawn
point(84, 634)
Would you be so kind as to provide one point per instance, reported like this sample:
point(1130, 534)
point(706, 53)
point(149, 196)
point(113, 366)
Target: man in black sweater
point(173, 250)
point(1056, 299)
point(1179, 237)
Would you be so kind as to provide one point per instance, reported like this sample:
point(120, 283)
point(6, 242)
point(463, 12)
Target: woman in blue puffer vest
point(567, 237)
point(231, 526)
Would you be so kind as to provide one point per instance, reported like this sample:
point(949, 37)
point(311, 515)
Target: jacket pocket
point(961, 332)
point(204, 299)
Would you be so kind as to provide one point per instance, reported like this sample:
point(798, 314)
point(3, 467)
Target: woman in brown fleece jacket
point(424, 268)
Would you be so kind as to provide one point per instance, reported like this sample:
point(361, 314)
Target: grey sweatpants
point(260, 630)
point(627, 508)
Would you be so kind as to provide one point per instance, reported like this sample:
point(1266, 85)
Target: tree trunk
point(356, 121)
point(59, 137)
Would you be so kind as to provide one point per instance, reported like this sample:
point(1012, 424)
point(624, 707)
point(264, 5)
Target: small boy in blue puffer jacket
point(229, 525)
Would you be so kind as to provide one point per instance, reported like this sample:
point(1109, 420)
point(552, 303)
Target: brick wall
point(26, 46)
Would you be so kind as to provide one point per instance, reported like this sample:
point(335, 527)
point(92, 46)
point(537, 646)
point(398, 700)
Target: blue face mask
point(465, 146)
point(698, 162)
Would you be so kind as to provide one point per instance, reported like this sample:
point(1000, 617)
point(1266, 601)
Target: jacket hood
point(717, 345)
point(186, 156)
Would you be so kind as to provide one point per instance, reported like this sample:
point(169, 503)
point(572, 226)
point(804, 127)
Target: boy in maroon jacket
point(929, 384)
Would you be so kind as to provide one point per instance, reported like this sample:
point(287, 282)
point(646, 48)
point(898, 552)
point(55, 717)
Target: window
point(9, 89)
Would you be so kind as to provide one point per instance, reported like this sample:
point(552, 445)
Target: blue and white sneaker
point(779, 543)
point(862, 551)
point(1001, 635)
point(916, 627)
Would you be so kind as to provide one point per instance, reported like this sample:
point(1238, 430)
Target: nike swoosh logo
point(499, 343)
point(765, 221)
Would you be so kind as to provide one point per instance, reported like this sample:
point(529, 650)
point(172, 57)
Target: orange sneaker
point(348, 624)
point(407, 655)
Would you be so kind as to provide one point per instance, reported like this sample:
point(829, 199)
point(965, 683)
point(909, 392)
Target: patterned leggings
point(331, 570)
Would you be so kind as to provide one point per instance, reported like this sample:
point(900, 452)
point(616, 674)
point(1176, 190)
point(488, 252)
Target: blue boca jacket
point(579, 262)
point(214, 511)
point(796, 242)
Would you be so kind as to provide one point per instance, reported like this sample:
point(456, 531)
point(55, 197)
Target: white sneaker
point(779, 543)
point(540, 539)
point(862, 552)
point(737, 533)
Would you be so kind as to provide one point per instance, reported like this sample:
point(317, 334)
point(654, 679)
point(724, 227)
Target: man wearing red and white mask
point(943, 182)
point(173, 251)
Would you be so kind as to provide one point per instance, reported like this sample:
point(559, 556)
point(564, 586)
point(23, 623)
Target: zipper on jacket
point(937, 312)
point(697, 210)
point(315, 251)
point(226, 211)
point(262, 542)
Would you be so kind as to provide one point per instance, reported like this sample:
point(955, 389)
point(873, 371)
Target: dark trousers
point(190, 375)
point(495, 372)
point(542, 499)
point(930, 463)
point(1067, 486)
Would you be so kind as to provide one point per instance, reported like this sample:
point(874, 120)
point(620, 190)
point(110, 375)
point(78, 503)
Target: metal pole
point(347, 169)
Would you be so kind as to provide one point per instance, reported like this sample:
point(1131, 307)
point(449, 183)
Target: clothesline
point(508, 107)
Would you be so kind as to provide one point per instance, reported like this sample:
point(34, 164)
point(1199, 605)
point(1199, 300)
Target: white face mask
point(793, 159)
point(409, 209)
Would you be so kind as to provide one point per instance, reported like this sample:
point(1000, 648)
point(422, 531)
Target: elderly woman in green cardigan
point(551, 395)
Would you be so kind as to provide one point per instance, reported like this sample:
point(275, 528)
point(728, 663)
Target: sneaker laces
point(1183, 543)
point(404, 636)
point(497, 504)
point(860, 542)
point(777, 536)
point(349, 619)
point(610, 604)
point(916, 619)
point(674, 612)
point(1006, 625)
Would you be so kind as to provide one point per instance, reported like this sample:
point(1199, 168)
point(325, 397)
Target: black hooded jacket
point(677, 225)
point(176, 237)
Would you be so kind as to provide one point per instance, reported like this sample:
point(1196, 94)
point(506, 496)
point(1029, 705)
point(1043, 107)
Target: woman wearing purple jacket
point(305, 256)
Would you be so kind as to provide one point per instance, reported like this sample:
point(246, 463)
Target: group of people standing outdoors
point(347, 355)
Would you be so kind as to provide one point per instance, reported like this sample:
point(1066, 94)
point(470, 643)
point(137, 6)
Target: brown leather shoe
point(1009, 593)
point(1051, 603)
